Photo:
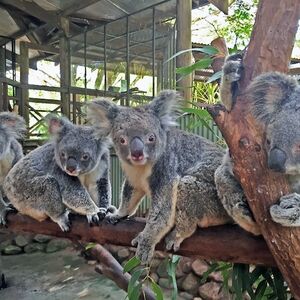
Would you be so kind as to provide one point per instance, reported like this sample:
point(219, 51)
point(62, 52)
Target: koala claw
point(63, 222)
point(102, 213)
point(3, 214)
point(93, 219)
point(145, 250)
point(114, 218)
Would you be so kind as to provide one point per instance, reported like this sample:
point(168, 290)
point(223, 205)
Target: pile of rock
point(27, 243)
point(189, 273)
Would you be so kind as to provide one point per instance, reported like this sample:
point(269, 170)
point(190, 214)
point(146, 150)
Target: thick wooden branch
point(269, 50)
point(220, 243)
point(111, 268)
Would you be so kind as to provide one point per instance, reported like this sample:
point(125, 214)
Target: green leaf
point(209, 50)
point(131, 264)
point(157, 291)
point(214, 77)
point(260, 290)
point(135, 293)
point(90, 246)
point(238, 280)
point(133, 282)
point(200, 64)
point(279, 285)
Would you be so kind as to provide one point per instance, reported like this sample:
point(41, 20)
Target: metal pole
point(127, 61)
point(85, 81)
point(105, 66)
point(153, 52)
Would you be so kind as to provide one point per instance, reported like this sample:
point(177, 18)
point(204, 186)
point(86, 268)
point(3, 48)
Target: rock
point(123, 254)
point(212, 291)
point(180, 282)
point(22, 240)
point(216, 276)
point(4, 244)
point(185, 296)
point(199, 267)
point(57, 244)
point(190, 283)
point(42, 238)
point(155, 263)
point(162, 269)
point(11, 250)
point(198, 298)
point(183, 267)
point(164, 283)
point(34, 247)
point(113, 249)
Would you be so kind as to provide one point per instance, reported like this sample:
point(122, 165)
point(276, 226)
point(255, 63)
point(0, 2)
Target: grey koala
point(71, 171)
point(175, 168)
point(276, 103)
point(12, 129)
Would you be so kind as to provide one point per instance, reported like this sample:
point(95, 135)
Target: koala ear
point(269, 92)
point(14, 123)
point(101, 113)
point(56, 124)
point(165, 106)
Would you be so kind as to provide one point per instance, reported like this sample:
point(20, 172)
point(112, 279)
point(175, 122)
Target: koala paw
point(145, 249)
point(114, 218)
point(172, 241)
point(63, 222)
point(287, 212)
point(3, 213)
point(102, 213)
point(93, 219)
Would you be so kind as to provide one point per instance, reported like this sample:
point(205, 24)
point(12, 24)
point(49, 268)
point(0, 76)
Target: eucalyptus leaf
point(214, 77)
point(200, 64)
point(131, 264)
point(157, 291)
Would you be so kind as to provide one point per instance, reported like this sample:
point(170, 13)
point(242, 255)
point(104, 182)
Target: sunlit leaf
point(198, 65)
point(133, 282)
point(157, 291)
point(90, 246)
point(214, 77)
point(131, 264)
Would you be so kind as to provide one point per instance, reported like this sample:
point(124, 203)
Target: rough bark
point(269, 50)
point(226, 243)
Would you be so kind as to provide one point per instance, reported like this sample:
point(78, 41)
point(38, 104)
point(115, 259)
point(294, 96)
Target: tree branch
point(269, 50)
point(111, 268)
point(221, 243)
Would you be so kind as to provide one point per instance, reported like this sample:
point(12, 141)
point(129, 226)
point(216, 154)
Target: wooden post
point(184, 41)
point(269, 49)
point(2, 75)
point(64, 75)
point(24, 72)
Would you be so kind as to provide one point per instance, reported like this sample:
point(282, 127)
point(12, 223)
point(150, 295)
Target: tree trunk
point(270, 49)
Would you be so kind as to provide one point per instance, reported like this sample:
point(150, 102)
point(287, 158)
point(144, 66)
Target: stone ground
point(55, 276)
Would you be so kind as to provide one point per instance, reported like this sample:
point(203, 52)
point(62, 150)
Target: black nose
point(71, 164)
point(277, 159)
point(137, 148)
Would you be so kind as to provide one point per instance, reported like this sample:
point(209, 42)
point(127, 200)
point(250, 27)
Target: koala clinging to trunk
point(12, 128)
point(173, 167)
point(71, 171)
point(276, 103)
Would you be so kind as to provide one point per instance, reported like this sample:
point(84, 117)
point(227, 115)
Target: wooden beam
point(79, 5)
point(43, 48)
point(220, 243)
point(222, 5)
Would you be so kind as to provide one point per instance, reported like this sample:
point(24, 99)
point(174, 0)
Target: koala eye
point(151, 138)
point(85, 156)
point(123, 140)
point(62, 154)
point(268, 142)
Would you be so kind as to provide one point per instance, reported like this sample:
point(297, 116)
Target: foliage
point(140, 276)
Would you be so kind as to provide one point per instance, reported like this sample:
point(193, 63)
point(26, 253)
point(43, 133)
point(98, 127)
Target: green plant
point(140, 276)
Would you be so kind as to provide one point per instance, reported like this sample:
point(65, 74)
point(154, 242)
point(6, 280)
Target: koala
point(69, 172)
point(12, 129)
point(275, 102)
point(175, 168)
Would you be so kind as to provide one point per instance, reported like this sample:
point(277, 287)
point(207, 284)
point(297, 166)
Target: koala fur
point(276, 103)
point(12, 129)
point(175, 168)
point(70, 171)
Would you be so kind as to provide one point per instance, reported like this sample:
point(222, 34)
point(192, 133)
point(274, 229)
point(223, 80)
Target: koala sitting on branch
point(275, 103)
point(175, 168)
point(69, 172)
point(12, 129)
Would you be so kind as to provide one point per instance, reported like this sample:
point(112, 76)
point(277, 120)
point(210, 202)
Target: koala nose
point(137, 149)
point(277, 159)
point(71, 164)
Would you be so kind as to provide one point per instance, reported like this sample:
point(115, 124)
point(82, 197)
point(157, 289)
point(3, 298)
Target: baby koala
point(12, 129)
point(69, 172)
